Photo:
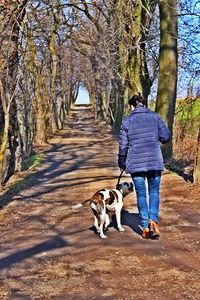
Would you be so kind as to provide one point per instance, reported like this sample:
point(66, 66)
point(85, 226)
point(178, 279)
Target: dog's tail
point(79, 205)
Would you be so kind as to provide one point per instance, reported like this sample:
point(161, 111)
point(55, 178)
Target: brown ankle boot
point(153, 230)
point(145, 234)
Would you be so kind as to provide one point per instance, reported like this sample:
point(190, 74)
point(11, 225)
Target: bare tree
point(11, 18)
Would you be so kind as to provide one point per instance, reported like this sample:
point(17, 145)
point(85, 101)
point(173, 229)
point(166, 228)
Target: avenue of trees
point(114, 48)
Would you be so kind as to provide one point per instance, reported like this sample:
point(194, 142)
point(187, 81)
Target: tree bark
point(167, 79)
point(11, 18)
point(135, 20)
point(132, 20)
point(54, 63)
point(197, 162)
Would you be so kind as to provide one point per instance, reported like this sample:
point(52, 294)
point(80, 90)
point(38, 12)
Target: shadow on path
point(131, 220)
point(19, 256)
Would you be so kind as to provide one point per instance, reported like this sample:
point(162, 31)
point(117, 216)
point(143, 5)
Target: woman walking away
point(140, 155)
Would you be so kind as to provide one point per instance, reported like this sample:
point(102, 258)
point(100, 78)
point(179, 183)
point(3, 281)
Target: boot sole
point(153, 235)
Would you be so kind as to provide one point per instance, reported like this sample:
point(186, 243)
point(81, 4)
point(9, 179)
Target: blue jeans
point(147, 183)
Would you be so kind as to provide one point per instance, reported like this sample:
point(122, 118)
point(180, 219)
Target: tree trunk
point(43, 109)
point(167, 79)
point(54, 63)
point(3, 146)
point(11, 17)
point(197, 162)
point(132, 21)
point(135, 21)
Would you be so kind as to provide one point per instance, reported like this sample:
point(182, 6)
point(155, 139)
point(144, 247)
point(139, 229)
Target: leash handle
point(120, 177)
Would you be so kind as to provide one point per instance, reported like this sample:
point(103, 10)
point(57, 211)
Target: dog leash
point(119, 178)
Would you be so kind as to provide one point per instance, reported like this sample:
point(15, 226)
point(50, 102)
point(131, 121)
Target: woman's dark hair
point(137, 100)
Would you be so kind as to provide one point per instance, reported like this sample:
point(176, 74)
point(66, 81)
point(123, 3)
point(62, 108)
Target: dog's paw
point(121, 229)
point(103, 236)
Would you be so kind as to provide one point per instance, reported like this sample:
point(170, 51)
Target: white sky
point(83, 96)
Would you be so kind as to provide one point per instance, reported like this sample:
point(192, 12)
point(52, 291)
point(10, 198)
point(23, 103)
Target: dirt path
point(49, 251)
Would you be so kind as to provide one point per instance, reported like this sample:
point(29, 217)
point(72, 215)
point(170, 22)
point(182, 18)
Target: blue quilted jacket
point(139, 141)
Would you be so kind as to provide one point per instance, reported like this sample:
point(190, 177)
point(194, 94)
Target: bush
point(186, 129)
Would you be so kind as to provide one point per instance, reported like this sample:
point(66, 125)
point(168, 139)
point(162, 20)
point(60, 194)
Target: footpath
point(50, 251)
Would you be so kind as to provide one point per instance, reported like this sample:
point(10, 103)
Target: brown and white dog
point(106, 200)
